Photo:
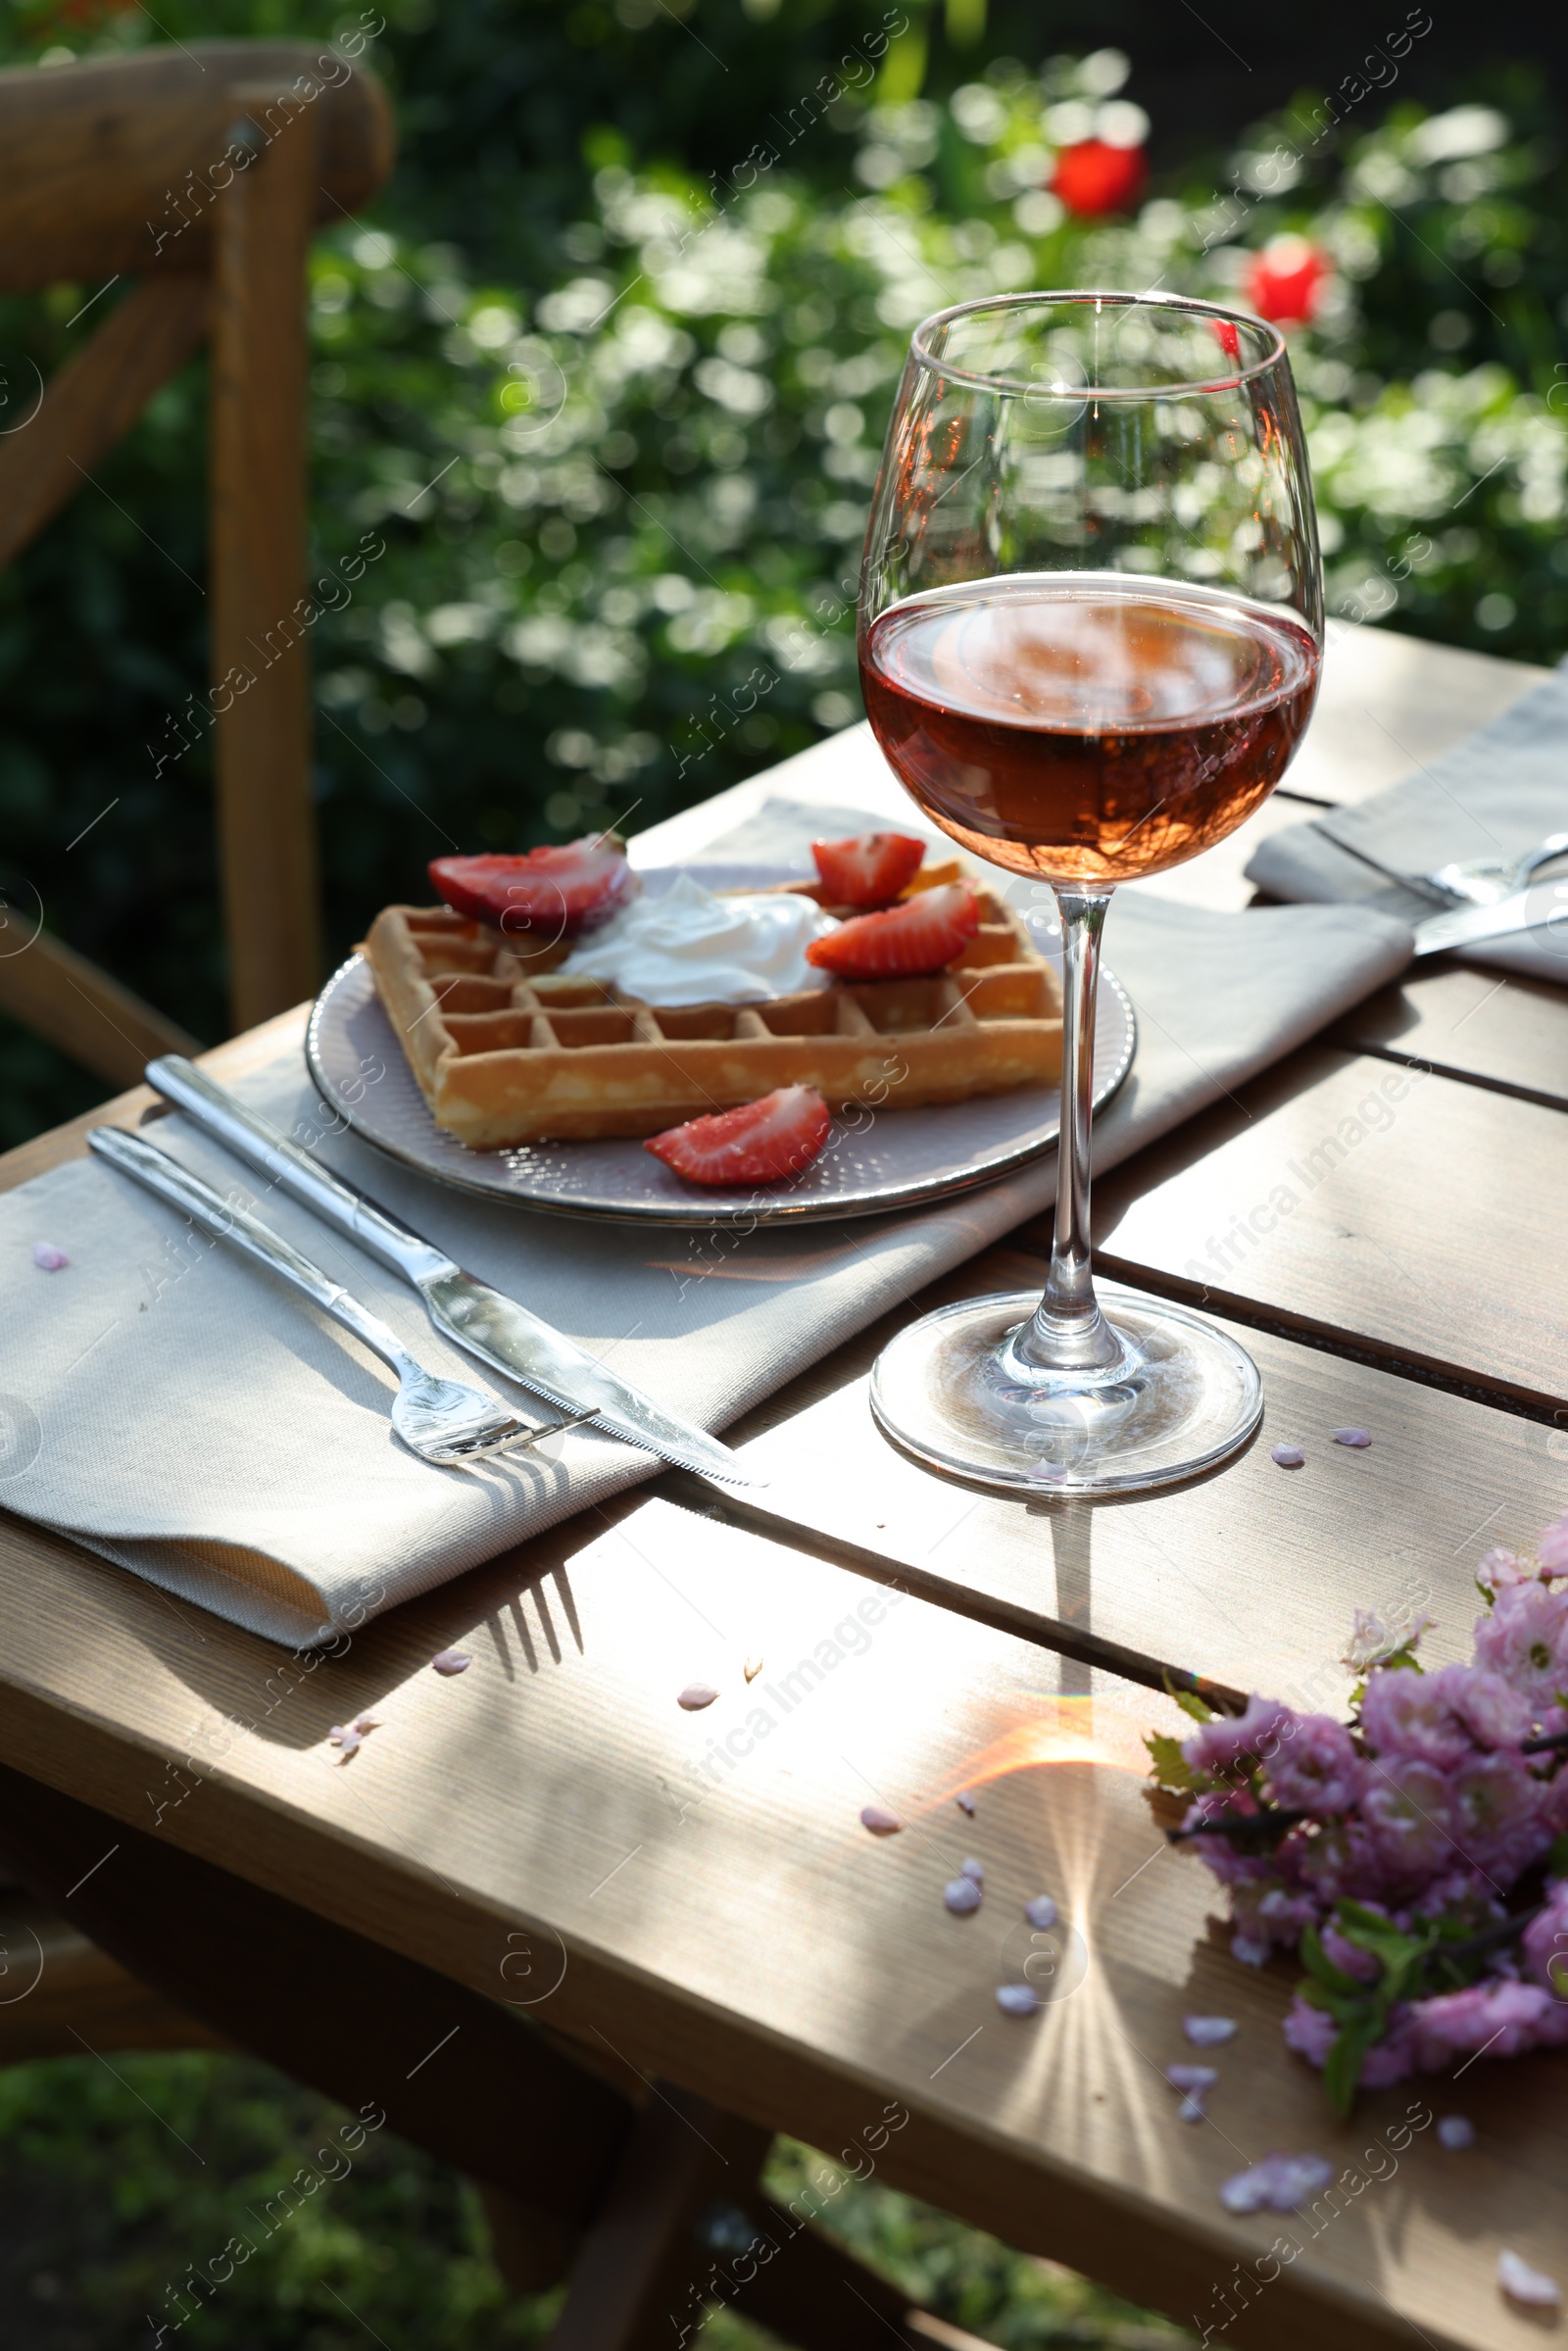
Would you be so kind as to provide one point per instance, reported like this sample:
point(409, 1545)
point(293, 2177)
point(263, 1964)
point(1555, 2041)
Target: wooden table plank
point(1409, 1215)
point(1177, 1575)
point(694, 1894)
point(1489, 1026)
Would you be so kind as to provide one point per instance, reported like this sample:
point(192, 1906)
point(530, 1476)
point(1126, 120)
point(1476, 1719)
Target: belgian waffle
point(509, 1050)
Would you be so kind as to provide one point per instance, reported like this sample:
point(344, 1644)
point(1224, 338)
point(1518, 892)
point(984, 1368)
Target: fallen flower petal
point(1456, 2130)
point(696, 1695)
point(973, 1869)
point(1289, 1456)
point(1209, 2031)
point(965, 1803)
point(1041, 1911)
point(1194, 2078)
point(48, 1258)
point(1521, 2283)
point(880, 1822)
point(1279, 2184)
point(752, 1668)
point(1191, 2110)
point(962, 1895)
point(366, 1722)
point(1249, 1950)
point(1018, 1999)
point(1359, 1438)
point(451, 1661)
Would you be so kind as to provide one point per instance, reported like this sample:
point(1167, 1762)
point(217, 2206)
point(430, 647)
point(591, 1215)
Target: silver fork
point(1480, 882)
point(443, 1421)
point(1484, 881)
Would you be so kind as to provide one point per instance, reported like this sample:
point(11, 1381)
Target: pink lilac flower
point(1279, 2184)
point(1497, 2020)
point(1525, 1640)
point(1195, 2080)
point(1551, 1547)
point(1343, 1862)
point(1268, 1912)
point(1521, 2283)
point(1544, 1942)
point(1309, 2031)
point(1499, 1815)
point(1501, 1567)
point(1316, 1768)
point(1230, 1863)
point(1441, 1717)
point(1460, 1890)
point(1233, 1743)
point(1209, 2031)
point(1391, 2059)
point(1405, 1805)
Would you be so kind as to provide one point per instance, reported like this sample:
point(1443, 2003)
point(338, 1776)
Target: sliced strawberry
point(907, 942)
point(759, 1142)
point(869, 871)
point(569, 888)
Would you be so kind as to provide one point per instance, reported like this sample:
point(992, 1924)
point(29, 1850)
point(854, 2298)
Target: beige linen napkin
point(175, 1410)
point(1492, 797)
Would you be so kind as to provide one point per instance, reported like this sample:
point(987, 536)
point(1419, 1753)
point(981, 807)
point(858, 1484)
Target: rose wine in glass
point(1090, 629)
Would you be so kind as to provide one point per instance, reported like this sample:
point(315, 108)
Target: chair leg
point(636, 2285)
point(684, 2229)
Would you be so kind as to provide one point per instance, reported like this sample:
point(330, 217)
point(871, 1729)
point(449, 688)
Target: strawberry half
point(869, 871)
point(759, 1142)
point(907, 942)
point(556, 890)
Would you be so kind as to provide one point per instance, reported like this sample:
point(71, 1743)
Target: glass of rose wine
point(1090, 624)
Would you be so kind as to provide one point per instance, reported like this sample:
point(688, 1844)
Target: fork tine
point(518, 1437)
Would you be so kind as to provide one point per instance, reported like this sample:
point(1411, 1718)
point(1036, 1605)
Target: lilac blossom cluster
point(1416, 1857)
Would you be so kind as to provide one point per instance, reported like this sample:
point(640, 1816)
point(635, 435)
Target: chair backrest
point(200, 174)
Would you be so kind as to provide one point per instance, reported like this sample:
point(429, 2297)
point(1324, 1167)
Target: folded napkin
point(171, 1406)
point(1494, 795)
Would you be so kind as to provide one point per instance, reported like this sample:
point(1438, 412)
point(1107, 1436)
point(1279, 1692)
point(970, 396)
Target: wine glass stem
point(1068, 1333)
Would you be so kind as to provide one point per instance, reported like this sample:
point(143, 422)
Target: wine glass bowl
point(1090, 633)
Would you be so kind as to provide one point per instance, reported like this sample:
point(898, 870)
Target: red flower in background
point(1285, 281)
point(1094, 178)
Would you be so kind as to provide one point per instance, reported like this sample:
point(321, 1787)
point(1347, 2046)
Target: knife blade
point(482, 1320)
point(1544, 905)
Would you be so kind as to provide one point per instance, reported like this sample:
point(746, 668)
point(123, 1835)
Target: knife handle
point(265, 1147)
point(228, 1221)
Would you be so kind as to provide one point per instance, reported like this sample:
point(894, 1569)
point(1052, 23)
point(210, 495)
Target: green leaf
point(1558, 1856)
point(1342, 2070)
point(1189, 1702)
point(1170, 1768)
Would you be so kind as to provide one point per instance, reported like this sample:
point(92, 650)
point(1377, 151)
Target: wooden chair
point(196, 176)
point(639, 2194)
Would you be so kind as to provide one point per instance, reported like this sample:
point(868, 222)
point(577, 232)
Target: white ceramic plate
point(891, 1159)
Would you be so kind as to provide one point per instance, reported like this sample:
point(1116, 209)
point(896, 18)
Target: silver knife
point(491, 1326)
point(1532, 909)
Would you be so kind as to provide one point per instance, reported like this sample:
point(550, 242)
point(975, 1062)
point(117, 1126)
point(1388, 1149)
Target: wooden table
point(690, 1897)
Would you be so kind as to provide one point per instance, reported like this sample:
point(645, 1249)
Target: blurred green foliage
point(121, 2189)
point(607, 372)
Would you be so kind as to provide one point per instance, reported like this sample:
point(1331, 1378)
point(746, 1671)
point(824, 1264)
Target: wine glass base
point(1191, 1398)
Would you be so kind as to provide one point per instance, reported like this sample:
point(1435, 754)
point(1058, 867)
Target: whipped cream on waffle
point(687, 946)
